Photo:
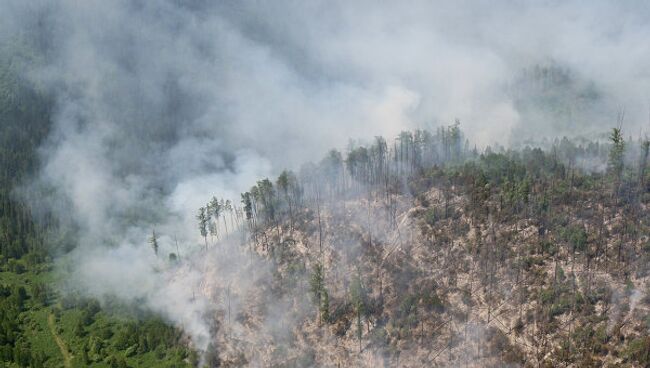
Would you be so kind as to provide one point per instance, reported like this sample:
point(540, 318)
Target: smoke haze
point(160, 105)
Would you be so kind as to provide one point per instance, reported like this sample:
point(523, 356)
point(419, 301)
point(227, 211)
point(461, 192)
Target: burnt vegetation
point(425, 251)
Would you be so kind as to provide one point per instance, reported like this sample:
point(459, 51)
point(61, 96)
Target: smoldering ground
point(160, 105)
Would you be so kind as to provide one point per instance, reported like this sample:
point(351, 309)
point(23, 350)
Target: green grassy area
point(90, 336)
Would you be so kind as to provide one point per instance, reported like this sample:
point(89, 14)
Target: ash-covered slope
point(427, 254)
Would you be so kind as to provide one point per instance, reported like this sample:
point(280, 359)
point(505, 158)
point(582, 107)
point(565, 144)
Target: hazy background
point(160, 105)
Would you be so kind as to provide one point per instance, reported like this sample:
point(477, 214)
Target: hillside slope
point(497, 259)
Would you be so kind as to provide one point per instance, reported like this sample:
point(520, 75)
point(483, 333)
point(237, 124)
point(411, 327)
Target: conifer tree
point(615, 163)
point(358, 298)
point(316, 286)
point(645, 151)
point(202, 217)
point(153, 241)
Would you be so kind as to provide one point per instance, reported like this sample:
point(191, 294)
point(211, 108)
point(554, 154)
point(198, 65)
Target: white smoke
point(160, 105)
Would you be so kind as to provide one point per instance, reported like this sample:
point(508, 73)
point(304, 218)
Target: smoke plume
point(160, 105)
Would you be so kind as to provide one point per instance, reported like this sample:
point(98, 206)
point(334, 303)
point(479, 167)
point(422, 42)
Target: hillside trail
point(59, 341)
